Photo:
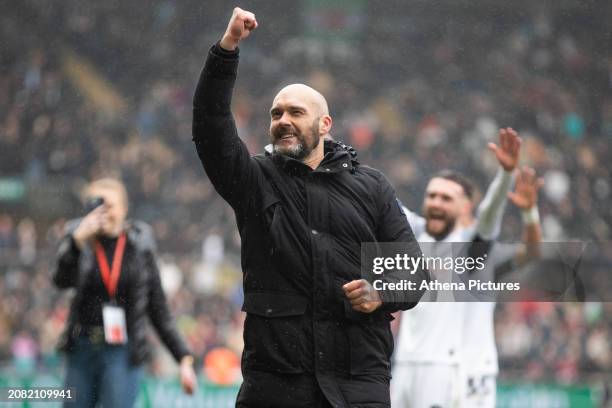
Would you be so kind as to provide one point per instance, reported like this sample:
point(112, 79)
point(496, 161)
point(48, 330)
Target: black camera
point(93, 203)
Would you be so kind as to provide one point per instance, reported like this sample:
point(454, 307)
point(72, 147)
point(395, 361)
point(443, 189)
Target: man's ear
point(325, 124)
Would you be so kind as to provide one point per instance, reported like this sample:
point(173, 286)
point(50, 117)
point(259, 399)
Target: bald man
point(315, 334)
point(299, 118)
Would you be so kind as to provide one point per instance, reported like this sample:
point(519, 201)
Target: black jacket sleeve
point(66, 266)
point(160, 314)
point(224, 156)
point(393, 227)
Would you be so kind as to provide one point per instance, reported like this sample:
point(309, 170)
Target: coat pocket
point(271, 209)
point(273, 332)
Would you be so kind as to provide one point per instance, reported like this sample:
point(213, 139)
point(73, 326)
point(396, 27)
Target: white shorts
point(479, 390)
point(425, 385)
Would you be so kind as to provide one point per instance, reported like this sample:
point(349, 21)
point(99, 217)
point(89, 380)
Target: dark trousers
point(264, 390)
point(101, 373)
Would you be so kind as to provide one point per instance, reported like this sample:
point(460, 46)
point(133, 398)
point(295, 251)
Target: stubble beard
point(439, 236)
point(300, 150)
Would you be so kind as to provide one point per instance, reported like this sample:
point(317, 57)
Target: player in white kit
point(426, 372)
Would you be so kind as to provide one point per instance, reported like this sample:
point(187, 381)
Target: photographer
point(111, 264)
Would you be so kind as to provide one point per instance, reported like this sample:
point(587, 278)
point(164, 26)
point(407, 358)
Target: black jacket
point(301, 236)
point(139, 291)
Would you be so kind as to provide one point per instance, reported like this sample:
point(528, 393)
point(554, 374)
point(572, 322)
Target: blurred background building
point(91, 88)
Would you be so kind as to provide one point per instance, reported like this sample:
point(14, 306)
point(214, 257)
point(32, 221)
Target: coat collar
point(338, 157)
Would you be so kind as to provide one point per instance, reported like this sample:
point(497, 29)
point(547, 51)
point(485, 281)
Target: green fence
point(518, 395)
point(167, 393)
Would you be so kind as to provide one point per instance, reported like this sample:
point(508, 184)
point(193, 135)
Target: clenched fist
point(239, 27)
point(363, 297)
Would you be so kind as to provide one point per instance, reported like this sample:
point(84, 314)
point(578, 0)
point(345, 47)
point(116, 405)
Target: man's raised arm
point(491, 209)
point(224, 156)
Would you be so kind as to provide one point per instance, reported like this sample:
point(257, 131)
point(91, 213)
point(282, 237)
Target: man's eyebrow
point(301, 107)
point(288, 107)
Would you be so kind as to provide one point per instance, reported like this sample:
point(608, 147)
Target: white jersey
point(432, 331)
point(430, 356)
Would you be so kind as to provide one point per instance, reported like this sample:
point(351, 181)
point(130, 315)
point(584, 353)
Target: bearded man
point(315, 334)
point(428, 370)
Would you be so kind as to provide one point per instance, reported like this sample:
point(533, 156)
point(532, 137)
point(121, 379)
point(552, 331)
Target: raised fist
point(239, 27)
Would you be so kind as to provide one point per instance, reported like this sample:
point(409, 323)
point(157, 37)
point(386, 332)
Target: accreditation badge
point(115, 329)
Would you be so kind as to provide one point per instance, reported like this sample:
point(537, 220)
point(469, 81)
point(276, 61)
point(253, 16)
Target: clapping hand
point(507, 153)
point(525, 194)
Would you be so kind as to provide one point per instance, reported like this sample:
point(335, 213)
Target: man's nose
point(284, 120)
point(435, 203)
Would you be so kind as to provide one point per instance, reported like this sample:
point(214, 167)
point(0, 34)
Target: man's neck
point(313, 162)
point(315, 157)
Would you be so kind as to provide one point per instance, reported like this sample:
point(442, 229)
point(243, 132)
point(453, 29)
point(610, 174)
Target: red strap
point(111, 278)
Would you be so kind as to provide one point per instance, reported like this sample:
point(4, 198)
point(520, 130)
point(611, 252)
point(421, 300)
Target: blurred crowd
point(414, 89)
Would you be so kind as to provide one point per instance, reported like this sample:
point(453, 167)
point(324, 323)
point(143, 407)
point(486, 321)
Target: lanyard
point(111, 277)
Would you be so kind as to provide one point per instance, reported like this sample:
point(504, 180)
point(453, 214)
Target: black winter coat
point(301, 233)
point(139, 291)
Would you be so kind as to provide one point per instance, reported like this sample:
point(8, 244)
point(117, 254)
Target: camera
point(93, 203)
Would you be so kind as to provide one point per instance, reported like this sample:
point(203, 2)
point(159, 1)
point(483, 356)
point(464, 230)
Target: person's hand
point(90, 226)
point(189, 380)
point(525, 194)
point(239, 27)
point(507, 153)
point(363, 296)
